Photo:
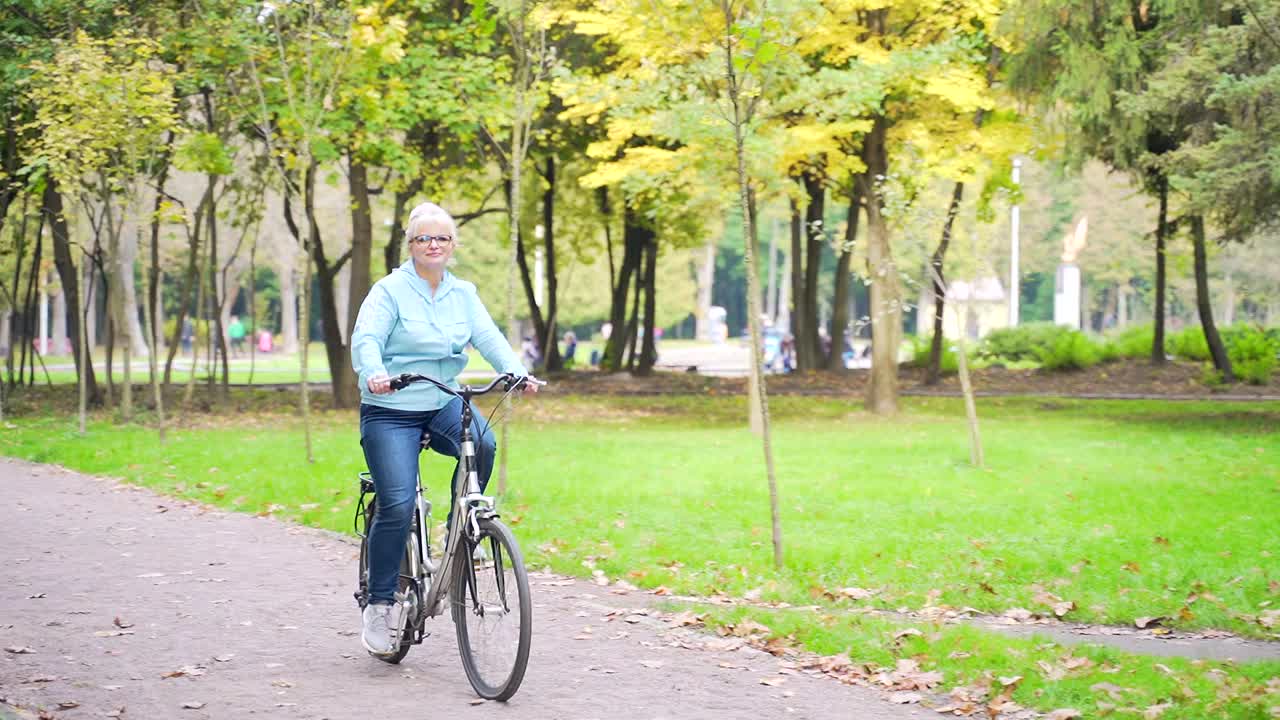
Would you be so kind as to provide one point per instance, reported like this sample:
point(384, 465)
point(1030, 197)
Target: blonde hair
point(425, 212)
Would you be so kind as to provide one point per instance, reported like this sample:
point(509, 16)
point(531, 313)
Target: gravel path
point(124, 603)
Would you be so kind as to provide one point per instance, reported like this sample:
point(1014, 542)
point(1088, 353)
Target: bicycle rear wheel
point(492, 612)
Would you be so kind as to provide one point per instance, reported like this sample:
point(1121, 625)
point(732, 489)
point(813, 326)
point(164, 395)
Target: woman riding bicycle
point(418, 319)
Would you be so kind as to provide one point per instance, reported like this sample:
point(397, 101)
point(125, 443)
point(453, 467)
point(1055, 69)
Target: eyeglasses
point(429, 240)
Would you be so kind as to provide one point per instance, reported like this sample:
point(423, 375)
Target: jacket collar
point(421, 286)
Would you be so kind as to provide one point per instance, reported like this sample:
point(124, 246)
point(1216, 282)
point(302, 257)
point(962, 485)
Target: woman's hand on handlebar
point(380, 384)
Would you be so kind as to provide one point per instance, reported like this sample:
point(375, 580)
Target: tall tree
point(101, 107)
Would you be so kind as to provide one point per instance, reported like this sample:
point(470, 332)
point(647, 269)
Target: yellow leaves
point(809, 141)
point(591, 22)
point(100, 104)
point(645, 160)
point(383, 35)
point(963, 86)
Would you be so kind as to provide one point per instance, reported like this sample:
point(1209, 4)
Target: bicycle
point(486, 582)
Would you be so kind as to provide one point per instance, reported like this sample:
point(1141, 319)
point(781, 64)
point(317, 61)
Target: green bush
point(1189, 344)
point(1252, 353)
point(920, 354)
point(1024, 342)
point(1070, 350)
point(1132, 343)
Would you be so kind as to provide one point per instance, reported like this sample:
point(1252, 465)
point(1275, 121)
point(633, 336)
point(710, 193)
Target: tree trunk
point(530, 294)
point(796, 259)
point(153, 291)
point(886, 303)
point(648, 350)
point(746, 199)
point(16, 321)
point(346, 393)
point(633, 238)
point(129, 243)
point(808, 345)
point(633, 323)
point(29, 322)
point(361, 244)
point(122, 268)
point(936, 263)
point(550, 348)
point(70, 279)
point(840, 303)
point(217, 336)
point(1162, 233)
point(187, 290)
point(1216, 349)
point(288, 309)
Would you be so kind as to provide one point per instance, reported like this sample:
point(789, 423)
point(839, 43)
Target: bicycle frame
point(470, 506)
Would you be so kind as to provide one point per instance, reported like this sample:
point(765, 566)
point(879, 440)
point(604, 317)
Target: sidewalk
point(133, 605)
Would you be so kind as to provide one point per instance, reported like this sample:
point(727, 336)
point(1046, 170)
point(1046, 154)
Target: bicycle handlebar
point(508, 380)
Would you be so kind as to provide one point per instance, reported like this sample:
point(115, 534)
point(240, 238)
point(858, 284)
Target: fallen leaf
point(1131, 567)
point(1154, 711)
point(37, 596)
point(192, 705)
point(117, 713)
point(773, 681)
point(1162, 541)
point(652, 663)
point(1115, 691)
point(19, 650)
point(41, 679)
point(185, 670)
point(688, 617)
point(856, 593)
point(908, 632)
point(224, 658)
point(281, 683)
point(121, 623)
point(68, 704)
point(905, 698)
point(1064, 714)
point(479, 701)
point(112, 633)
point(1142, 623)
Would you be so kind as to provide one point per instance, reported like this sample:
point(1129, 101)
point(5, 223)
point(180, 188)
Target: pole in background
point(1014, 218)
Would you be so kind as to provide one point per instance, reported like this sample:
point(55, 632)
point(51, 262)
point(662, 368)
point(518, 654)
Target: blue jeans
point(391, 441)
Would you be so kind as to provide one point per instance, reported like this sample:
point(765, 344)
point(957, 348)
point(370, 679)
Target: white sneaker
point(381, 632)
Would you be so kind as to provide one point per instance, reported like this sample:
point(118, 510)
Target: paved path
point(256, 618)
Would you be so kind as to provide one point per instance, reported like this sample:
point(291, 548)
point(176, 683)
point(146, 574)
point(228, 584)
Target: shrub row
point(1252, 350)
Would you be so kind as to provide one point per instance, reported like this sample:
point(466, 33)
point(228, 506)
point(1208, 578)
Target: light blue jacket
point(403, 328)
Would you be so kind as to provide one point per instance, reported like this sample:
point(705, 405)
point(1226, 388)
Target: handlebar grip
point(401, 382)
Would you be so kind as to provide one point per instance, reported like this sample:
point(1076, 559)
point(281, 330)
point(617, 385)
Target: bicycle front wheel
point(492, 611)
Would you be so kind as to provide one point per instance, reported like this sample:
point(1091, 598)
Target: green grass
point(1125, 509)
point(268, 368)
point(1092, 679)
